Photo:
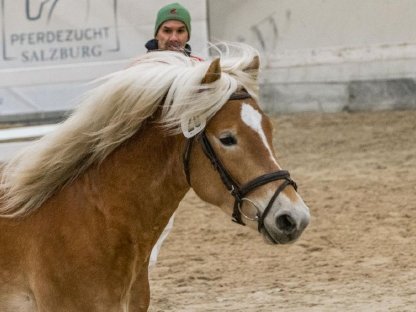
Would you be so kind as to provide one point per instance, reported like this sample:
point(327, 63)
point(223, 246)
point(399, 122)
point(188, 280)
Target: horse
point(82, 207)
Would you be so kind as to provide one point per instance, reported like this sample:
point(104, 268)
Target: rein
point(237, 191)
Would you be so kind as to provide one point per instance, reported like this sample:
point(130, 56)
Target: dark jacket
point(152, 45)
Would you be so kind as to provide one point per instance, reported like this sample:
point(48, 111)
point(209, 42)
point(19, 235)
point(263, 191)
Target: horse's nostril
point(286, 223)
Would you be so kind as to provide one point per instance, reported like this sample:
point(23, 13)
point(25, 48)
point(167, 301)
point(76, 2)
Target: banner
point(39, 32)
point(51, 48)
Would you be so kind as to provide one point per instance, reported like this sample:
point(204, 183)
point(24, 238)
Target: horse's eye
point(228, 140)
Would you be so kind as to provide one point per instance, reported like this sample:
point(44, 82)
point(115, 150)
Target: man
point(172, 30)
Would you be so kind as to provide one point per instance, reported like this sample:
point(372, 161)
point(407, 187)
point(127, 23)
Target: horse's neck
point(142, 182)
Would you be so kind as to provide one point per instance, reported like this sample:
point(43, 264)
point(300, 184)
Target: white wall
point(320, 42)
point(314, 52)
point(307, 33)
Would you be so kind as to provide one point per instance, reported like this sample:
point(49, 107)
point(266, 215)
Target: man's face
point(172, 35)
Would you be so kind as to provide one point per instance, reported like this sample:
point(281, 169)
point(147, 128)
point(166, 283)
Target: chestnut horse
point(82, 207)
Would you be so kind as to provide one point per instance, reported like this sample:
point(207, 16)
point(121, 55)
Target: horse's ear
point(213, 73)
point(254, 65)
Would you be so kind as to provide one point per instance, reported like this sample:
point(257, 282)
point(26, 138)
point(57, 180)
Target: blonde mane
point(113, 112)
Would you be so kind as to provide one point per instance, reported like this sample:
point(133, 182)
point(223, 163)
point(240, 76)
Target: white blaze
point(252, 118)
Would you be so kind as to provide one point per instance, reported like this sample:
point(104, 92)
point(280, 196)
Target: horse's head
point(232, 164)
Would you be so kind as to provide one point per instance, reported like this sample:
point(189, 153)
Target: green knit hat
point(173, 11)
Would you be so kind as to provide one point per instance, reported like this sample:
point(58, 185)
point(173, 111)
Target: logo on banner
point(58, 31)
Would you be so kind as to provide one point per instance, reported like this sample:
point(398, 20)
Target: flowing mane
point(113, 112)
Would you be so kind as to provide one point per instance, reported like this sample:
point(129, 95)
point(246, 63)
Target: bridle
point(237, 191)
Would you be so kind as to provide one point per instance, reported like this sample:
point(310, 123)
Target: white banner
point(46, 32)
point(50, 48)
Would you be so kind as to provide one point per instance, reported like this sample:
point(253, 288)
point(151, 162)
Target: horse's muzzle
point(288, 226)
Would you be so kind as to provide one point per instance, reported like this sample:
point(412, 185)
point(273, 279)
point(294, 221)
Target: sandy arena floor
point(357, 173)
